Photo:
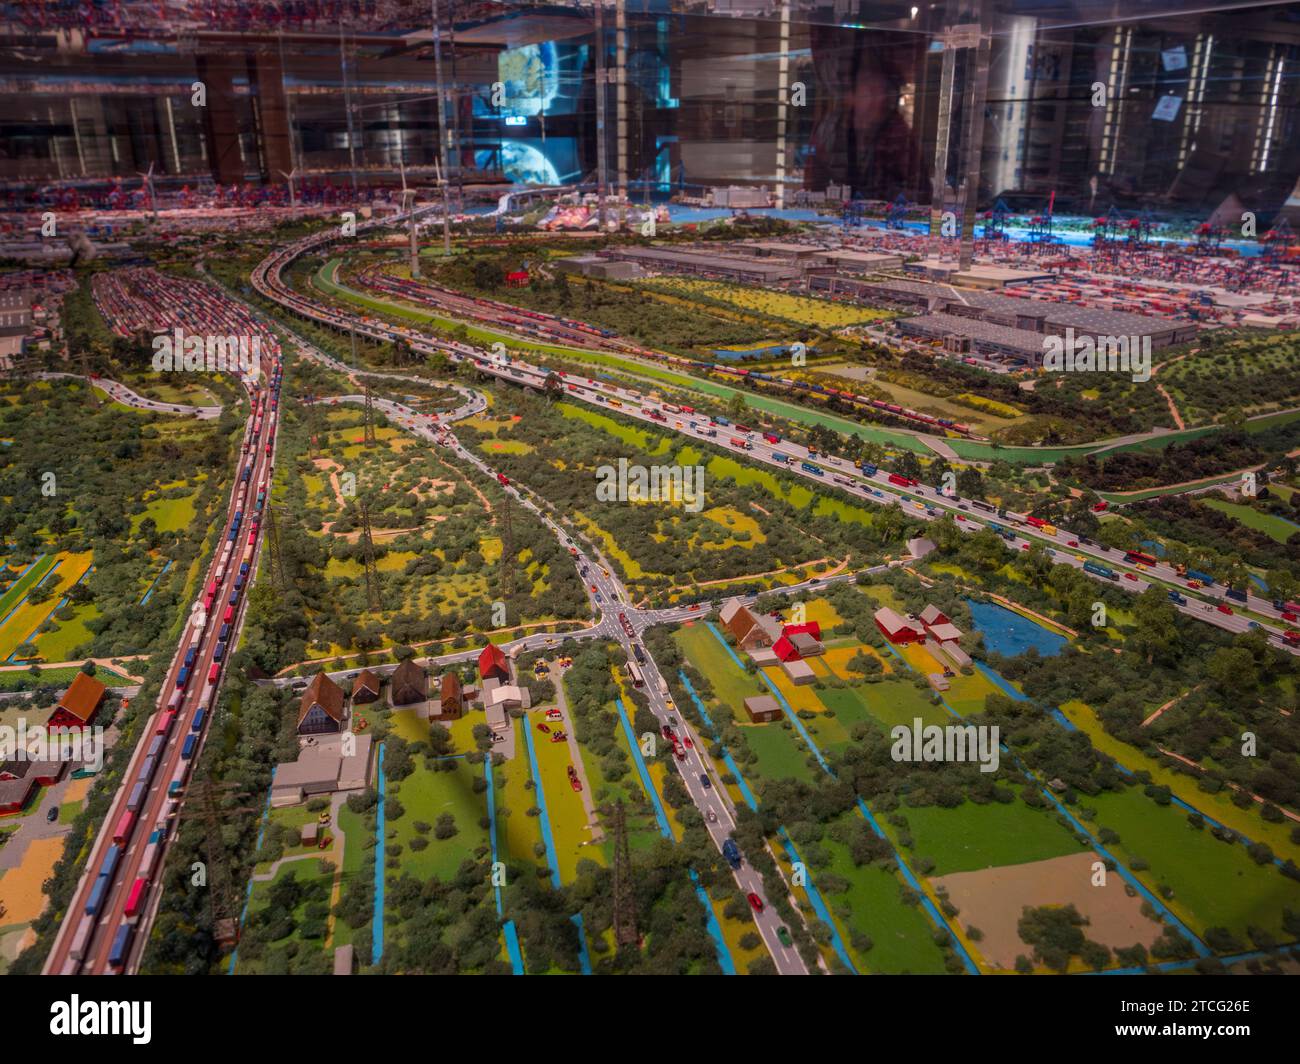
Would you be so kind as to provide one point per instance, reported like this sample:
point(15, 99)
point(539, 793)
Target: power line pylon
point(507, 549)
point(625, 929)
point(369, 433)
point(84, 359)
point(278, 578)
point(368, 549)
point(202, 805)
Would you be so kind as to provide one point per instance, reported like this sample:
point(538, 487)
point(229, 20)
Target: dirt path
point(1173, 407)
point(1258, 800)
point(104, 663)
point(838, 568)
point(1172, 702)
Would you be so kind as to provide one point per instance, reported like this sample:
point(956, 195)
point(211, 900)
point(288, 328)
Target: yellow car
point(919, 505)
point(1079, 557)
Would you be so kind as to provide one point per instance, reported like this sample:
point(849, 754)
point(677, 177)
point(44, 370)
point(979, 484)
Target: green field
point(901, 934)
point(1215, 884)
point(1275, 528)
point(973, 837)
point(426, 795)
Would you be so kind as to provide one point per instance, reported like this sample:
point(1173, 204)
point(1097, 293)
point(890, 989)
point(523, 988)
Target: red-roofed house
point(933, 615)
point(898, 629)
point(79, 704)
point(937, 625)
point(492, 664)
point(799, 641)
point(812, 628)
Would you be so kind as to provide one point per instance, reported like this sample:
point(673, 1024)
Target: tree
point(552, 387)
point(908, 465)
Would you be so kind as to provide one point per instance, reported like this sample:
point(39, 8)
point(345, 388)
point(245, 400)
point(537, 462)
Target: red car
point(1223, 607)
point(575, 783)
point(542, 727)
point(1130, 576)
point(755, 902)
point(687, 740)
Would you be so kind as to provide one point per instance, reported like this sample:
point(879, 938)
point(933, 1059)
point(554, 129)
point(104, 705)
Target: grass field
point(901, 935)
point(1275, 528)
point(170, 515)
point(976, 836)
point(1214, 884)
point(428, 794)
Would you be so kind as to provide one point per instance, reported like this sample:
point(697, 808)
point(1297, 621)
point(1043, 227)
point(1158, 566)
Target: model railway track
point(107, 925)
point(549, 328)
point(925, 503)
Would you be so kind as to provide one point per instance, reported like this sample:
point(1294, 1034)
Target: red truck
point(504, 480)
point(896, 478)
point(736, 441)
point(771, 438)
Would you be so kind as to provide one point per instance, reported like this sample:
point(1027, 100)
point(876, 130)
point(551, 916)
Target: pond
point(1011, 634)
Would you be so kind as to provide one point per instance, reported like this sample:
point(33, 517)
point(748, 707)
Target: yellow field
point(801, 309)
point(29, 616)
point(20, 888)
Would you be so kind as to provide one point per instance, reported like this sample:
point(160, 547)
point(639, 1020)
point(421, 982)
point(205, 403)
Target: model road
point(85, 940)
point(618, 621)
point(836, 472)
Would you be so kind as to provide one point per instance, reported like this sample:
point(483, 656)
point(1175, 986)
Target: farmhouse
point(321, 709)
point(799, 641)
point(749, 629)
point(937, 625)
point(898, 629)
point(365, 688)
point(492, 664)
point(451, 706)
point(322, 768)
point(80, 703)
point(19, 780)
point(409, 684)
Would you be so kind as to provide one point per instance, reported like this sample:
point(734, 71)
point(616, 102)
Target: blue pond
point(1009, 634)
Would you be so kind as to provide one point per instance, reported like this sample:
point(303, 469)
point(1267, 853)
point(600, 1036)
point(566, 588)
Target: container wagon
point(121, 944)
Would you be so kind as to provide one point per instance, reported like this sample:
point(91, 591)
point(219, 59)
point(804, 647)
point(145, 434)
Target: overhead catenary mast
point(602, 178)
point(442, 128)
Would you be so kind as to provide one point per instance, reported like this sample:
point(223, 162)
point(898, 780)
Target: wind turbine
point(293, 189)
point(408, 205)
point(147, 179)
point(446, 208)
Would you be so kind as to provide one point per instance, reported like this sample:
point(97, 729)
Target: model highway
point(828, 472)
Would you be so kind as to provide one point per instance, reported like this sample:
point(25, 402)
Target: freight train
point(551, 328)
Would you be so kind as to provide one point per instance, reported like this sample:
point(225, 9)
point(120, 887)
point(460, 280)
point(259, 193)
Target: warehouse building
point(708, 264)
point(1021, 345)
point(1012, 312)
